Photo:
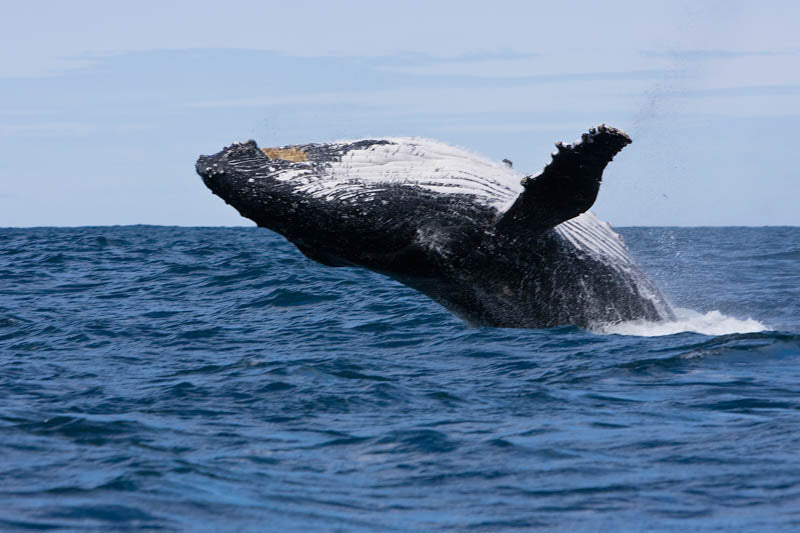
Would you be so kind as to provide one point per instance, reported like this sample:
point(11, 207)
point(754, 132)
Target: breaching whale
point(494, 246)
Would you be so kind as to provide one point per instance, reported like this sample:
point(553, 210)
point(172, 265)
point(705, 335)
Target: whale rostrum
point(494, 246)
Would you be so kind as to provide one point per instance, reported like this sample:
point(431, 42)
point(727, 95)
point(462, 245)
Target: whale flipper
point(568, 185)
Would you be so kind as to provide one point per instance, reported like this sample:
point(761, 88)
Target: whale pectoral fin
point(568, 186)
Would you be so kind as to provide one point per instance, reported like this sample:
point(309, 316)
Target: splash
point(687, 320)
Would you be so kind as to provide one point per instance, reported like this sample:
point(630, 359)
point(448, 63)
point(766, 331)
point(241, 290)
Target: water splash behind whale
point(685, 321)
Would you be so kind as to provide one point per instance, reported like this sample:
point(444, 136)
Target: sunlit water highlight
point(213, 379)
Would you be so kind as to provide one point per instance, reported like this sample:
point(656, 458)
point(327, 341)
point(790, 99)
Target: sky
point(104, 107)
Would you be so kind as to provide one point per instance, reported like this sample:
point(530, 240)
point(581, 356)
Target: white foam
point(711, 323)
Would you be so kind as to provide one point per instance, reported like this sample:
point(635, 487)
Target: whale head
point(236, 174)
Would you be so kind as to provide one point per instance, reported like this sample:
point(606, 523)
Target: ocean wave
point(215, 379)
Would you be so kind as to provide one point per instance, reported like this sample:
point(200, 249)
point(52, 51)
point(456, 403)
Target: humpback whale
point(496, 247)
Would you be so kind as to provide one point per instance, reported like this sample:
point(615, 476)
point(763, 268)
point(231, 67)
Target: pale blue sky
point(104, 108)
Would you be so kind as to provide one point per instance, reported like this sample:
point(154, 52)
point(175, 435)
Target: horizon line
point(253, 226)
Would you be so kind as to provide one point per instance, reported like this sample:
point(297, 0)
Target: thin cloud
point(696, 55)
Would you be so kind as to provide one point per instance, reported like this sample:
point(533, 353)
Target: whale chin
point(495, 246)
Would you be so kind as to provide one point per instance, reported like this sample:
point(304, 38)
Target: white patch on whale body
point(407, 161)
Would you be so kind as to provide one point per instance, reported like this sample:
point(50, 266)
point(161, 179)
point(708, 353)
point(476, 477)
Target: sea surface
point(214, 379)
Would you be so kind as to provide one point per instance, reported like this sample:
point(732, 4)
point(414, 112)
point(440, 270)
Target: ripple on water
point(215, 379)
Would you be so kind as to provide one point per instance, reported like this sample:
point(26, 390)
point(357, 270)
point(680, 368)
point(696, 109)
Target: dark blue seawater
point(213, 379)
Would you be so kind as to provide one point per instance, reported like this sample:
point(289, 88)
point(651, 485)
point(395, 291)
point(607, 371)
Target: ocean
point(214, 379)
